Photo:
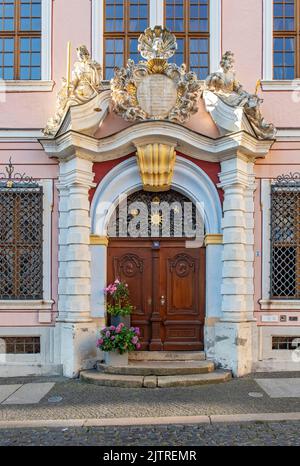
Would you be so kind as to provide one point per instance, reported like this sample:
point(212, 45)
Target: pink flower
point(135, 340)
point(137, 331)
point(107, 334)
point(138, 346)
point(113, 338)
point(100, 342)
point(117, 281)
point(113, 328)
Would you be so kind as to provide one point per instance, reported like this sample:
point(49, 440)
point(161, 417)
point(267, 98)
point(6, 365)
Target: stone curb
point(114, 422)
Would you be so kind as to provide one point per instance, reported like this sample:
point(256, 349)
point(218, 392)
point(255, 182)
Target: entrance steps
point(158, 370)
point(167, 356)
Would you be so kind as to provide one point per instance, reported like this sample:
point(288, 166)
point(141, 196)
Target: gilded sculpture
point(155, 89)
point(83, 86)
point(224, 84)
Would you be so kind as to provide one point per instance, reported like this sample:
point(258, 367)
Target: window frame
point(187, 35)
point(126, 35)
point(46, 83)
point(268, 83)
point(286, 34)
point(46, 303)
point(157, 17)
point(266, 302)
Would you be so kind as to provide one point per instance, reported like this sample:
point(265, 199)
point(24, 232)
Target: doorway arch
point(192, 182)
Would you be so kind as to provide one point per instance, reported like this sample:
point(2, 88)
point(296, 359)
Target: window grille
point(20, 345)
point(285, 343)
point(21, 237)
point(182, 219)
point(285, 237)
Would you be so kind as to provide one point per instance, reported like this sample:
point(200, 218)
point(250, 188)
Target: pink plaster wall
point(242, 32)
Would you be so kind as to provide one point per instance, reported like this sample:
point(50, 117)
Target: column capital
point(213, 240)
point(96, 240)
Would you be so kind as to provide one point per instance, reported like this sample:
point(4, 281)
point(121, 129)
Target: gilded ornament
point(155, 89)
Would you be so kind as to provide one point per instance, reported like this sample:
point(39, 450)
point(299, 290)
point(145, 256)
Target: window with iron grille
point(20, 345)
point(285, 238)
point(20, 39)
point(21, 242)
point(285, 343)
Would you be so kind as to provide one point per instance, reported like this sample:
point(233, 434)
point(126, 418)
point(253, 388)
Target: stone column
point(214, 249)
point(99, 246)
point(234, 332)
point(76, 327)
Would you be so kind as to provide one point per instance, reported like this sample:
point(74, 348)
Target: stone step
point(159, 368)
point(133, 381)
point(167, 356)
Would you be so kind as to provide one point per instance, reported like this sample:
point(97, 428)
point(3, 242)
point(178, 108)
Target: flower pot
point(116, 320)
point(114, 358)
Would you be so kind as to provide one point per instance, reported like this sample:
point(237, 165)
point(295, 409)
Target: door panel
point(183, 286)
point(167, 288)
point(133, 265)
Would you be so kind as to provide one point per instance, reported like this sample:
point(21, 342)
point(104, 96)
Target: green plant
point(118, 303)
point(120, 339)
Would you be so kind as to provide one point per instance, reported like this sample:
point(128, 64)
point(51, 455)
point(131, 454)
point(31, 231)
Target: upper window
point(285, 239)
point(21, 242)
point(124, 21)
point(286, 37)
point(20, 39)
point(189, 20)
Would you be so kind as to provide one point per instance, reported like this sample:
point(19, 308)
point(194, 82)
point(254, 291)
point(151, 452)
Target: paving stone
point(7, 390)
point(88, 401)
point(150, 381)
point(281, 388)
point(30, 393)
point(252, 434)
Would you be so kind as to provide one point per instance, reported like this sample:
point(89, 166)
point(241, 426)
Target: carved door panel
point(131, 263)
point(167, 288)
point(182, 297)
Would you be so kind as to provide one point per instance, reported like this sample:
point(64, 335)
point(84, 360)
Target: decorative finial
point(9, 178)
point(258, 86)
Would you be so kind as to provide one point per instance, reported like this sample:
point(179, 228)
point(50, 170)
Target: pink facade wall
point(242, 32)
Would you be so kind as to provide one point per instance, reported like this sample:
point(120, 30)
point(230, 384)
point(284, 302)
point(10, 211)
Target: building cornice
point(123, 143)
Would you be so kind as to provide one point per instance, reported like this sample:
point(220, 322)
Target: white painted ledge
point(281, 85)
point(26, 86)
point(280, 305)
point(25, 305)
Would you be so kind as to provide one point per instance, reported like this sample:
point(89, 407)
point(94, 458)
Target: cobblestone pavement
point(251, 434)
point(85, 401)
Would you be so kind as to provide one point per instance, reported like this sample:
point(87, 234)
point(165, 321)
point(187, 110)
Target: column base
point(234, 346)
point(78, 347)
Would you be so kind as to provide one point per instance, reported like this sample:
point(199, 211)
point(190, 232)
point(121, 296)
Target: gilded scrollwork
point(224, 84)
point(84, 86)
point(157, 46)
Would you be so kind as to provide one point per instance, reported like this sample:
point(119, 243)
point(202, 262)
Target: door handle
point(162, 300)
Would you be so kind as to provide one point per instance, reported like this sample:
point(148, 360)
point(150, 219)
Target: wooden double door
point(167, 288)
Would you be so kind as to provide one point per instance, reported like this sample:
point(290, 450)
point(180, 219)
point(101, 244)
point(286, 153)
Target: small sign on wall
point(270, 318)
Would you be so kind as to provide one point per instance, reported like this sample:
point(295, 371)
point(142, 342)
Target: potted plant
point(117, 342)
point(118, 303)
